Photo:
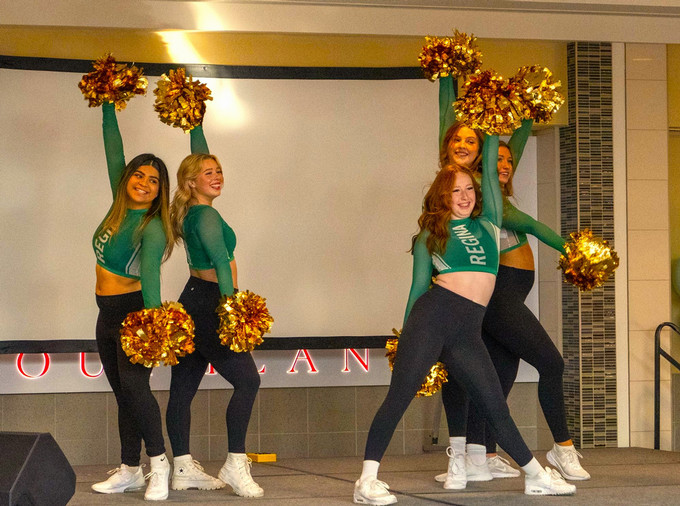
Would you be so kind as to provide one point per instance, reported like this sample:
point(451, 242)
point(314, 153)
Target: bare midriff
point(109, 283)
point(475, 286)
point(211, 274)
point(519, 258)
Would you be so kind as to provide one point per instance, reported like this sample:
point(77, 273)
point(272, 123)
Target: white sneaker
point(501, 468)
point(440, 478)
point(547, 482)
point(121, 480)
point(476, 472)
point(372, 491)
point(456, 477)
point(565, 459)
point(190, 474)
point(236, 473)
point(157, 489)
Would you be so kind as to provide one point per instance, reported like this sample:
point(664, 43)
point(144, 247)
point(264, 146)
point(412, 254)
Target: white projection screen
point(324, 184)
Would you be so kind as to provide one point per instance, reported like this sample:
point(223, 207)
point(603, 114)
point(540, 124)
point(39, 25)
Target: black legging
point(200, 298)
point(511, 332)
point(138, 413)
point(443, 325)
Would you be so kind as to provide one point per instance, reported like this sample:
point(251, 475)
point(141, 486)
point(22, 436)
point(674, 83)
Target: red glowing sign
point(83, 368)
point(306, 357)
point(300, 355)
point(363, 363)
point(22, 371)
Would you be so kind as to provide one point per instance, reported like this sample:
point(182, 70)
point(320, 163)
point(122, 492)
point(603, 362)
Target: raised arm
point(492, 206)
point(151, 256)
point(113, 145)
point(422, 272)
point(210, 233)
point(519, 139)
point(198, 142)
point(514, 219)
point(447, 114)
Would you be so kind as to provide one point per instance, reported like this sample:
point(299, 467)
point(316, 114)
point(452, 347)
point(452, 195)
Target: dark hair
point(159, 206)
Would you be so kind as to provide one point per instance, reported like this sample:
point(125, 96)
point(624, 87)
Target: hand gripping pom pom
point(541, 95)
point(180, 101)
point(589, 261)
point(112, 82)
point(159, 335)
point(244, 318)
point(491, 104)
point(457, 56)
point(437, 376)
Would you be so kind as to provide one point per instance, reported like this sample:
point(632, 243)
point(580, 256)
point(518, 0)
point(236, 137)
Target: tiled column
point(648, 235)
point(587, 189)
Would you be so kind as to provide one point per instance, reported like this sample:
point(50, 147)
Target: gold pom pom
point(437, 376)
point(180, 101)
point(491, 103)
point(159, 335)
point(589, 260)
point(542, 95)
point(112, 82)
point(244, 318)
point(457, 56)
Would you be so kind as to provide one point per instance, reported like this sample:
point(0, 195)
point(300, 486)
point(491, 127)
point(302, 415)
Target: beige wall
point(648, 234)
point(291, 422)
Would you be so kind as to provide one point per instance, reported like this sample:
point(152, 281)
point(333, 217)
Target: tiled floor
point(619, 477)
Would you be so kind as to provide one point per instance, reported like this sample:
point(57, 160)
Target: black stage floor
point(626, 476)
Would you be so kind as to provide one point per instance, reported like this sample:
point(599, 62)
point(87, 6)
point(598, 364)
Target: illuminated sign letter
point(306, 357)
point(83, 369)
point(20, 366)
point(363, 363)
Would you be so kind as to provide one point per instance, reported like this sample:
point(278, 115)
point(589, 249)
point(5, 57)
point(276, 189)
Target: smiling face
point(142, 187)
point(505, 167)
point(463, 196)
point(209, 183)
point(464, 147)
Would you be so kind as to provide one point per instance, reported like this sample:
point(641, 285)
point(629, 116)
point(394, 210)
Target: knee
point(552, 365)
point(134, 389)
point(248, 383)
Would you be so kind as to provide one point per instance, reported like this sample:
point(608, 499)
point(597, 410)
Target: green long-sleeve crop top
point(516, 226)
point(208, 240)
point(210, 243)
point(473, 242)
point(130, 252)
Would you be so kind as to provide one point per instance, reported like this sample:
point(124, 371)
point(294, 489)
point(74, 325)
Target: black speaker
point(34, 471)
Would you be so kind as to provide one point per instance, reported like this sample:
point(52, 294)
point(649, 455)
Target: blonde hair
point(188, 171)
point(159, 206)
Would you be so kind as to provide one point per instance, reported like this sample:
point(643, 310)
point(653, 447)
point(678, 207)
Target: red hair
point(437, 207)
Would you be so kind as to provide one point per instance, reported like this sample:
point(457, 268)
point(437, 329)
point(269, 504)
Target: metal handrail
point(658, 353)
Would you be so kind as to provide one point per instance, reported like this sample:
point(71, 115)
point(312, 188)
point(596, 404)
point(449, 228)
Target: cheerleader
point(210, 243)
point(130, 244)
point(459, 238)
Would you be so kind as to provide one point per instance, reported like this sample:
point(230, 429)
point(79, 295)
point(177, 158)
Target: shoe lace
point(380, 485)
point(453, 461)
point(244, 470)
point(500, 461)
point(572, 455)
point(555, 477)
point(151, 476)
point(121, 469)
point(197, 465)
